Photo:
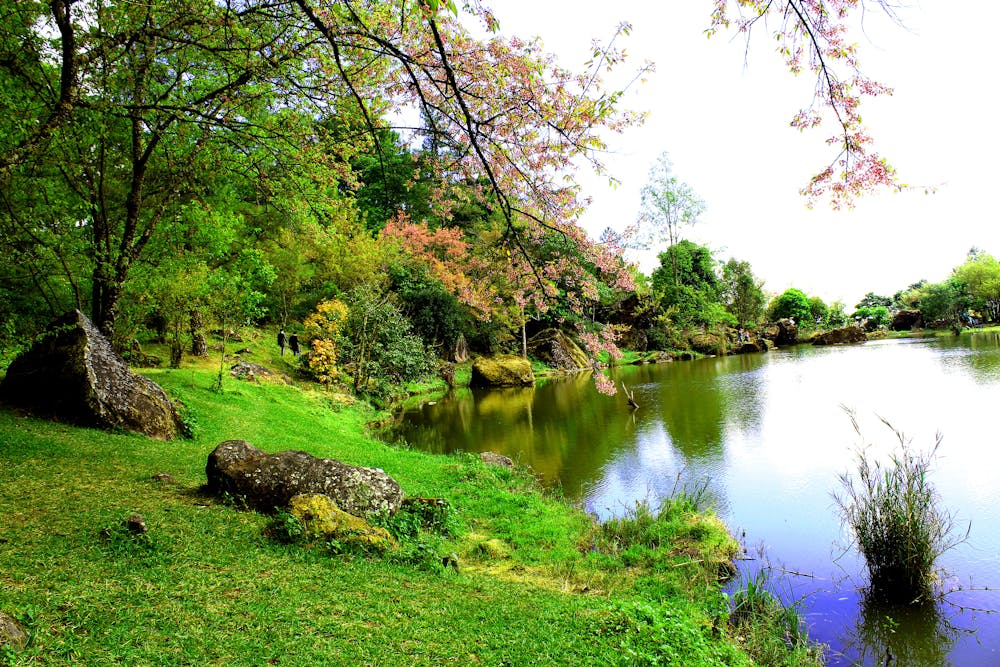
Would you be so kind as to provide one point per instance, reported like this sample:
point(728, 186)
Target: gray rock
point(72, 374)
point(244, 370)
point(269, 481)
point(12, 635)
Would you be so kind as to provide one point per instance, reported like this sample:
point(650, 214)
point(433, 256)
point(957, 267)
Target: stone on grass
point(244, 370)
point(494, 459)
point(267, 482)
point(493, 549)
point(12, 635)
point(72, 374)
point(322, 519)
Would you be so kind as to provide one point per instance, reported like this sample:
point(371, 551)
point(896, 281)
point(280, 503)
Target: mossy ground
point(537, 583)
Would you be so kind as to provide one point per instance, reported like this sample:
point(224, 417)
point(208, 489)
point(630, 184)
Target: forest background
point(174, 167)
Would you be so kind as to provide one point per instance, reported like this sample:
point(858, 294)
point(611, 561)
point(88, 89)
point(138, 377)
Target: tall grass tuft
point(897, 520)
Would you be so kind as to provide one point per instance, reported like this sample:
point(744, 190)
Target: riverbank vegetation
point(512, 575)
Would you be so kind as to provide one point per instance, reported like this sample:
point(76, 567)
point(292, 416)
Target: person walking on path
point(281, 341)
point(293, 344)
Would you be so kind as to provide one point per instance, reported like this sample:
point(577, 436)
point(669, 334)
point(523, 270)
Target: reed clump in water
point(896, 518)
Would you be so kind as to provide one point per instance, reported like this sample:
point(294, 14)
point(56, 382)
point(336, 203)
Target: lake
point(769, 436)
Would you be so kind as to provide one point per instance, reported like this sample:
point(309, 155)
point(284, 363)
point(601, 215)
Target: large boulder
point(505, 370)
point(72, 374)
point(904, 320)
point(556, 349)
point(752, 345)
point(782, 332)
point(269, 481)
point(708, 343)
point(851, 334)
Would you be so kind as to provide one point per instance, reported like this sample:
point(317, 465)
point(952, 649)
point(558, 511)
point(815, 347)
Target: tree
point(944, 301)
point(872, 300)
point(792, 303)
point(818, 311)
point(742, 293)
point(377, 344)
point(872, 317)
point(813, 34)
point(837, 317)
point(694, 297)
point(981, 274)
point(667, 205)
point(149, 97)
point(124, 111)
point(235, 296)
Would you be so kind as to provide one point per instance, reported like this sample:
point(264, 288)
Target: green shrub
point(897, 520)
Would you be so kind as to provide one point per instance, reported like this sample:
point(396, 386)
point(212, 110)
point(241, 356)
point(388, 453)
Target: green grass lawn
point(538, 581)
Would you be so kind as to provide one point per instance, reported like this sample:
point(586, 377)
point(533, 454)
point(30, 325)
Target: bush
point(791, 303)
point(897, 520)
point(378, 345)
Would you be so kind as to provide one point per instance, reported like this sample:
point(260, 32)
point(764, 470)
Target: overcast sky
point(725, 124)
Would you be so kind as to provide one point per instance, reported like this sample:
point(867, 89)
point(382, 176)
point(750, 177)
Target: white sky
point(725, 124)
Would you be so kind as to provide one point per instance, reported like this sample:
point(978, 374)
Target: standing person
point(293, 344)
point(281, 341)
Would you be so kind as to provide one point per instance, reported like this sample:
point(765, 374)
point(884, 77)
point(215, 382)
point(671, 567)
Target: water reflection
point(559, 428)
point(915, 636)
point(972, 353)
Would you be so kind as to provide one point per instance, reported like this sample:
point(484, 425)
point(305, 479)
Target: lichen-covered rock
point(269, 481)
point(493, 549)
point(556, 349)
point(505, 370)
point(322, 519)
point(851, 334)
point(72, 374)
point(244, 370)
point(708, 343)
point(12, 635)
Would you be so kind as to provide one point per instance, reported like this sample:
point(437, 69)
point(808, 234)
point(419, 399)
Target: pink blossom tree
point(813, 35)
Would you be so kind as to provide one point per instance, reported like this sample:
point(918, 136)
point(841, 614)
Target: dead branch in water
point(630, 395)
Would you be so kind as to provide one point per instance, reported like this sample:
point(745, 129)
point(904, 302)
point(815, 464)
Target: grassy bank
point(538, 582)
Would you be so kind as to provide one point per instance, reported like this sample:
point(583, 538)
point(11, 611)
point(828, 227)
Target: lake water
point(769, 436)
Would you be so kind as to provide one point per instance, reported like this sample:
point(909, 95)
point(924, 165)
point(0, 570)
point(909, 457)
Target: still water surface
point(769, 435)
